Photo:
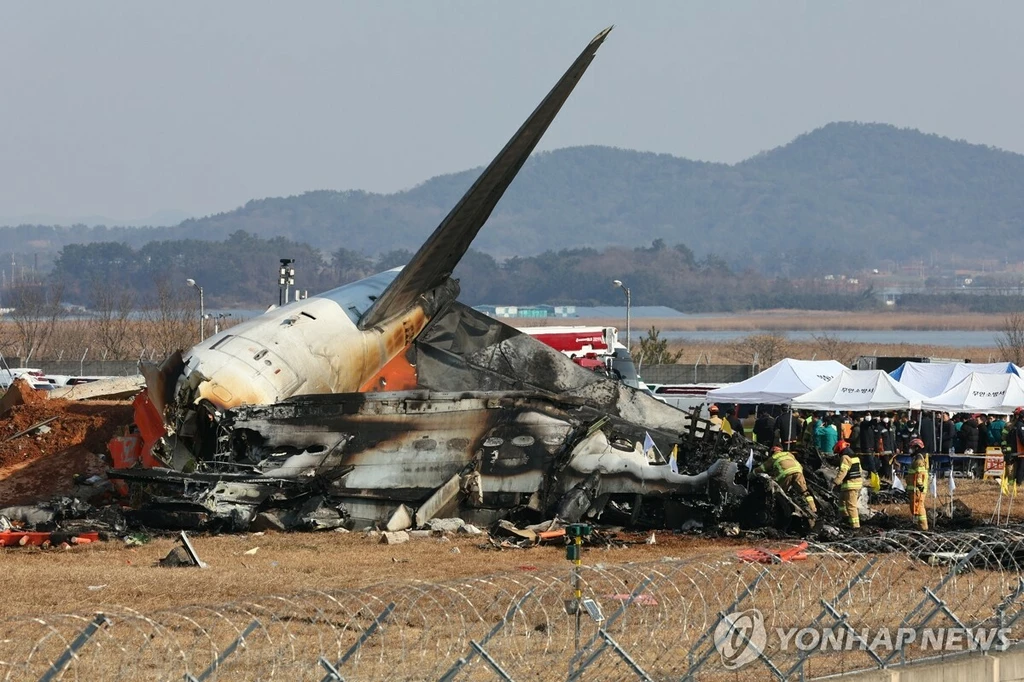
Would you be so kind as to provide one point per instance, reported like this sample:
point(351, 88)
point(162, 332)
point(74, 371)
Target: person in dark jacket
point(927, 429)
point(982, 433)
point(787, 428)
point(867, 435)
point(885, 437)
point(764, 431)
point(969, 435)
point(869, 444)
point(948, 434)
point(734, 421)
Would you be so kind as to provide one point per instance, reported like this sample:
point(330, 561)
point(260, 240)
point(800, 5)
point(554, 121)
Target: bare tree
point(762, 350)
point(831, 347)
point(71, 338)
point(37, 308)
point(113, 327)
point(1011, 341)
point(172, 319)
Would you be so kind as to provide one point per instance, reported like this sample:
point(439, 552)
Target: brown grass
point(809, 320)
point(722, 352)
point(58, 580)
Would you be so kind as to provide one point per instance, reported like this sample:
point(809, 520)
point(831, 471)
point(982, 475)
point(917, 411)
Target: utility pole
point(202, 309)
point(629, 304)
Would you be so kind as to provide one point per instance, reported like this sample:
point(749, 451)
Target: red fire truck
point(596, 348)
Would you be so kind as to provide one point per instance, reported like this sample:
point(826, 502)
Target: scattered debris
point(20, 538)
point(507, 529)
point(401, 519)
point(394, 538)
point(182, 555)
point(176, 558)
point(250, 552)
point(136, 540)
point(774, 556)
point(41, 427)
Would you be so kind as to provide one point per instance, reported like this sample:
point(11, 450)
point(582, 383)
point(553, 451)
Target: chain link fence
point(678, 619)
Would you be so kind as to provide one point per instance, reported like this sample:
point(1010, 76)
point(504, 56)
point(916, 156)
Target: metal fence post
point(57, 667)
point(929, 597)
point(222, 656)
point(839, 619)
point(1005, 605)
point(615, 616)
point(478, 648)
point(332, 670)
point(696, 665)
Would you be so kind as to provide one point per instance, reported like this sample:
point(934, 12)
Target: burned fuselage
point(388, 391)
point(373, 451)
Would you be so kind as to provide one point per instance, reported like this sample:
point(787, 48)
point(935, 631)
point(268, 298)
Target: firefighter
point(850, 479)
point(787, 472)
point(917, 482)
point(1013, 444)
point(714, 418)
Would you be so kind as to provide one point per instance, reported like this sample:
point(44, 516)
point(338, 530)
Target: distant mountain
point(848, 192)
point(165, 218)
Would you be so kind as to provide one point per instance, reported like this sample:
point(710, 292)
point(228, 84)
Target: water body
point(985, 339)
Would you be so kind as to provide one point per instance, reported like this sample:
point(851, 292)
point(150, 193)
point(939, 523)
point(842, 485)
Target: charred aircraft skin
point(373, 451)
point(282, 411)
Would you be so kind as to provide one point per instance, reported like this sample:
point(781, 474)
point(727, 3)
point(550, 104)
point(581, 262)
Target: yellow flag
point(876, 484)
point(726, 426)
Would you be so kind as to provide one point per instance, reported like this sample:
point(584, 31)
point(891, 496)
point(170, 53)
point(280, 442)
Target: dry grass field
point(285, 563)
point(725, 352)
point(814, 320)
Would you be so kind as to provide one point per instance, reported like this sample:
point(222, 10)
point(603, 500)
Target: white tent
point(989, 393)
point(860, 391)
point(933, 378)
point(780, 383)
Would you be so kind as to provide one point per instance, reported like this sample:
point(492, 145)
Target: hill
point(856, 193)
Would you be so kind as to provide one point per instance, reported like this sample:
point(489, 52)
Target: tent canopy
point(977, 392)
point(780, 383)
point(933, 378)
point(860, 391)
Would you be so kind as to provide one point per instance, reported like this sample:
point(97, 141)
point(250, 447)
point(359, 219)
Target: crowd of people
point(867, 446)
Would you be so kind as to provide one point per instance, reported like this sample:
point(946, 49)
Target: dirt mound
point(40, 464)
point(19, 393)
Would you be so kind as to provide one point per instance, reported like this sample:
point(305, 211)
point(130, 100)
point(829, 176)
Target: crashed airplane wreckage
point(387, 391)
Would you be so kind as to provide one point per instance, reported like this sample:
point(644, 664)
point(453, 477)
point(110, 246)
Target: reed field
point(810, 320)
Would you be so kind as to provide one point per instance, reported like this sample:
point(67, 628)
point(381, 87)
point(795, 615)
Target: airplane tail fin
point(439, 255)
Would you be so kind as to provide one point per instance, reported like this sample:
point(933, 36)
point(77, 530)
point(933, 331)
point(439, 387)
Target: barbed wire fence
point(668, 619)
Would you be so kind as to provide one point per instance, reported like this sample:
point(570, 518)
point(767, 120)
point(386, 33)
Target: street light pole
point(629, 304)
point(216, 321)
point(202, 309)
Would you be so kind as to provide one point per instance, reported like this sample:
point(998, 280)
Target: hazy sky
point(126, 108)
